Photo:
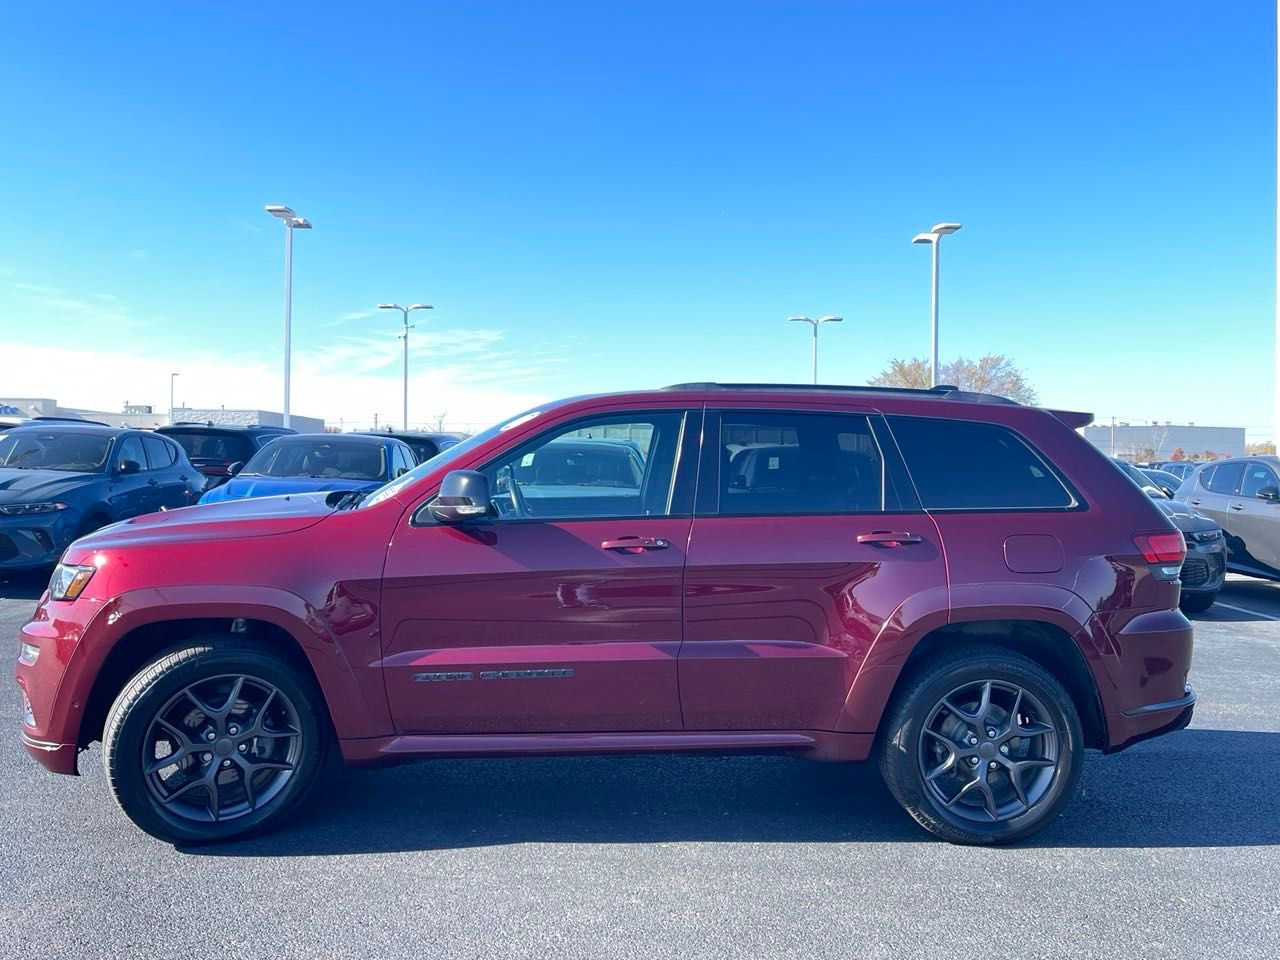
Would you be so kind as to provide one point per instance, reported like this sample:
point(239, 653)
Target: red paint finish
point(765, 632)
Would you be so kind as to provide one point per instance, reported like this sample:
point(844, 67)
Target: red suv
point(954, 584)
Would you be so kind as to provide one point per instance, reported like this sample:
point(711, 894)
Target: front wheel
point(214, 740)
point(1197, 602)
point(982, 746)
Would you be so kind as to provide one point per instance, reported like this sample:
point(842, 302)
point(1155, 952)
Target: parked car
point(309, 462)
point(956, 585)
point(215, 447)
point(1179, 468)
point(424, 445)
point(1242, 494)
point(1205, 568)
point(60, 481)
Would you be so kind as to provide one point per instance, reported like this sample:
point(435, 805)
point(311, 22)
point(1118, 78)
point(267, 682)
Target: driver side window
point(602, 468)
point(131, 449)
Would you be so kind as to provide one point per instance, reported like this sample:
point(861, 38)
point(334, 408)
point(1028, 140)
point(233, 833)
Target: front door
point(132, 494)
point(1212, 490)
point(800, 552)
point(560, 612)
point(1253, 520)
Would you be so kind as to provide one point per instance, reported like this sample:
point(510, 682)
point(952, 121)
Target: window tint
point(205, 448)
point(131, 449)
point(322, 456)
point(1226, 478)
point(965, 465)
point(799, 463)
point(423, 450)
point(601, 468)
point(159, 453)
point(1257, 477)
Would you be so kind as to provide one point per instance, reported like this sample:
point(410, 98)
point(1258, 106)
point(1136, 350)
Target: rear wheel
point(982, 746)
point(214, 740)
point(1197, 602)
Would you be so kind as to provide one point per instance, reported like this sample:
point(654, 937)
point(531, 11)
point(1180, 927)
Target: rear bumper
point(1151, 720)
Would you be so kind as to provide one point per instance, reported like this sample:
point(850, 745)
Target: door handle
point(635, 544)
point(1237, 506)
point(153, 483)
point(1196, 502)
point(885, 538)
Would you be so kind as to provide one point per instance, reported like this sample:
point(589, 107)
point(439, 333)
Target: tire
point(919, 730)
point(266, 739)
point(1197, 602)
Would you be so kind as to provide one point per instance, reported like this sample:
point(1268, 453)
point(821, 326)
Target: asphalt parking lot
point(1172, 849)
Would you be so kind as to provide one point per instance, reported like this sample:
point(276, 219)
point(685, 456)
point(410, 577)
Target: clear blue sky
point(609, 195)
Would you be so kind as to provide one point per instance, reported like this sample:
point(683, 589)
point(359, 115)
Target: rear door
point(804, 544)
point(1253, 521)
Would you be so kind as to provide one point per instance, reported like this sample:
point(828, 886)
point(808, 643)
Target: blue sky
point(612, 195)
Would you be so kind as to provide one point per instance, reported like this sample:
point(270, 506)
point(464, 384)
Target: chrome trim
point(1181, 703)
point(33, 743)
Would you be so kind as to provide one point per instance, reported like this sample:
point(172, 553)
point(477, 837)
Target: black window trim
point(707, 503)
point(683, 473)
point(1078, 503)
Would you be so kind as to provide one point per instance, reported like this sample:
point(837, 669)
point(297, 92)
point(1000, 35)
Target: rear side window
point(160, 453)
point(966, 465)
point(1226, 478)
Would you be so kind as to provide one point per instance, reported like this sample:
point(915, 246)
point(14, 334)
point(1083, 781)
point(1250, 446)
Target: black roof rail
point(96, 423)
point(943, 391)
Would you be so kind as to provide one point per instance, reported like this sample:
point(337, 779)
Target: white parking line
point(1245, 610)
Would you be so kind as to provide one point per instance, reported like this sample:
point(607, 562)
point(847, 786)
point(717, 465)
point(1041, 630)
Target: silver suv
point(1243, 495)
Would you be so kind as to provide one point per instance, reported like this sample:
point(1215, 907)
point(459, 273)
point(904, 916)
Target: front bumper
point(37, 540)
point(1205, 568)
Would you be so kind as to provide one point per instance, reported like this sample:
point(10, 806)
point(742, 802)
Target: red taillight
point(1161, 547)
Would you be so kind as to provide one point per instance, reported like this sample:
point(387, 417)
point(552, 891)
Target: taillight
point(1161, 547)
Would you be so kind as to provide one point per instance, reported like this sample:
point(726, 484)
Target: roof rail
point(943, 391)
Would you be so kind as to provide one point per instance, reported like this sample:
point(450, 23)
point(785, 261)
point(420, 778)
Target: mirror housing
point(463, 496)
point(1168, 492)
point(235, 468)
point(128, 466)
point(1270, 494)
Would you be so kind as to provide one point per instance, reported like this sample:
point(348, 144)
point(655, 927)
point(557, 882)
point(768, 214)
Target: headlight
point(69, 581)
point(25, 509)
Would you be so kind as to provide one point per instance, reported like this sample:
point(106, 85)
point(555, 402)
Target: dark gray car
point(1242, 494)
point(1205, 567)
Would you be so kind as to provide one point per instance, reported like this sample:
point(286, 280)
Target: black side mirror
point(464, 495)
point(129, 466)
point(1167, 491)
point(401, 472)
point(235, 468)
point(1270, 494)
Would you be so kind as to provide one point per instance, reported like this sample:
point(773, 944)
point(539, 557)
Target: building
point(144, 416)
point(1162, 441)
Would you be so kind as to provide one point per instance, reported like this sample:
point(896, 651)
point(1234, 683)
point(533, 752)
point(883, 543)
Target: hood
point(239, 488)
point(263, 517)
point(1184, 516)
point(34, 486)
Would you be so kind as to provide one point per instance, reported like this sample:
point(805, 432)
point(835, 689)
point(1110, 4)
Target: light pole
point(815, 324)
point(934, 236)
point(291, 222)
point(172, 377)
point(405, 337)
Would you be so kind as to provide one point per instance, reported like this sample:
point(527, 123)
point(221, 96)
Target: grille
point(1195, 572)
point(8, 549)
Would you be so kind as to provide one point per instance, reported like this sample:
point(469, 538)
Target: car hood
point(1184, 516)
point(263, 517)
point(238, 488)
point(33, 486)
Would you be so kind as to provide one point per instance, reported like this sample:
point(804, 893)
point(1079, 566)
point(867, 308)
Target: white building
point(142, 415)
point(1159, 441)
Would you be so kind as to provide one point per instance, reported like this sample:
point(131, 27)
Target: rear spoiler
point(1073, 418)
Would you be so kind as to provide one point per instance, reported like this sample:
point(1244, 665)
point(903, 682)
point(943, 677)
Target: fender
point(931, 609)
point(356, 699)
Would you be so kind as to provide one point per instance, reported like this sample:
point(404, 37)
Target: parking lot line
point(1245, 610)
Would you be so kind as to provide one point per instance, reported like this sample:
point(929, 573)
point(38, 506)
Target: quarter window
point(1226, 478)
point(967, 465)
point(1256, 479)
point(799, 463)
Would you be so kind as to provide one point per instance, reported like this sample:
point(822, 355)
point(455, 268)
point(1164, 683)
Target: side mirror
point(129, 466)
point(235, 468)
point(464, 495)
point(401, 472)
point(1167, 491)
point(1270, 494)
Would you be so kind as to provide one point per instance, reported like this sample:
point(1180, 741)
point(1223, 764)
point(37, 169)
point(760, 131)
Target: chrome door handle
point(635, 544)
point(885, 538)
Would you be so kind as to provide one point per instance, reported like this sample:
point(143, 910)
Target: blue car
point(311, 462)
point(59, 481)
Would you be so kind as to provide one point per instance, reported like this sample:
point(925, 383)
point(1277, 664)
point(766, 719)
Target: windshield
point(203, 447)
point(454, 453)
point(321, 457)
point(1142, 480)
point(67, 450)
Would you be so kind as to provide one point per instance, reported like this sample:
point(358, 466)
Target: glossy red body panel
point(746, 633)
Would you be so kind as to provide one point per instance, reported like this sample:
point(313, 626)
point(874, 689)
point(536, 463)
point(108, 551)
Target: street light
point(405, 337)
point(934, 237)
point(291, 222)
point(815, 324)
point(172, 376)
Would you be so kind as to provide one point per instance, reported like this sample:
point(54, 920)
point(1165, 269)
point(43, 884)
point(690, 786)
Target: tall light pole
point(934, 237)
point(172, 377)
point(291, 222)
point(815, 324)
point(405, 337)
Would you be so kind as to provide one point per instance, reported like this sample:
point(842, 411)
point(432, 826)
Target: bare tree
point(990, 373)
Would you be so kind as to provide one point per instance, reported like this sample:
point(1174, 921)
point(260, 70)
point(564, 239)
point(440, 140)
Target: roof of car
point(405, 434)
point(940, 392)
point(85, 426)
point(224, 427)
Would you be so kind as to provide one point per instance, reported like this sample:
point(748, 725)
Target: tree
point(1177, 454)
point(1259, 449)
point(990, 373)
